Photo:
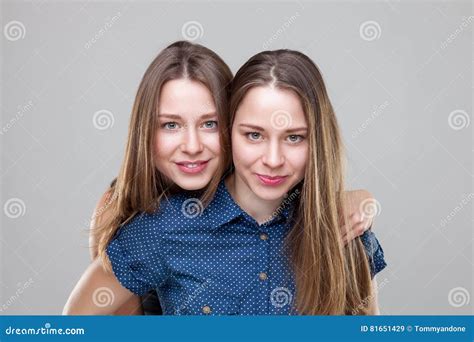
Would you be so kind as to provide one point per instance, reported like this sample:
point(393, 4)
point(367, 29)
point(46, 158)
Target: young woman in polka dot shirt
point(276, 124)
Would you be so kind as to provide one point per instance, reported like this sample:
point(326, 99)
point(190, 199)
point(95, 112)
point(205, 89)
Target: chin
point(194, 184)
point(269, 193)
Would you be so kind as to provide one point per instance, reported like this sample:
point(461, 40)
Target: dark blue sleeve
point(134, 254)
point(374, 252)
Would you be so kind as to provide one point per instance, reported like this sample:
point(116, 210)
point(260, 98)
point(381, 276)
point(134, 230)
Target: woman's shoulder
point(172, 212)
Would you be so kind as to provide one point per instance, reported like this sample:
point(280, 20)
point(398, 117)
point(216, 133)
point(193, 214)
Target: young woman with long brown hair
point(183, 79)
point(326, 249)
point(285, 133)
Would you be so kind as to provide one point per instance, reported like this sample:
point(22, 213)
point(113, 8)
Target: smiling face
point(187, 146)
point(269, 142)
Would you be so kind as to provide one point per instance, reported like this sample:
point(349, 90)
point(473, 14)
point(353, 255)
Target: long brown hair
point(139, 186)
point(330, 278)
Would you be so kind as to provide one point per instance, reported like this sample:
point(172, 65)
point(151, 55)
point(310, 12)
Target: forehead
point(262, 105)
point(184, 96)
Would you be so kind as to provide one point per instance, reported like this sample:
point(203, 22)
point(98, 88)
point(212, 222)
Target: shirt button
point(263, 236)
point(206, 309)
point(263, 276)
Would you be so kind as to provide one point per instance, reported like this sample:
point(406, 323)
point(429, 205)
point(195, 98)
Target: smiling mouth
point(191, 167)
point(271, 180)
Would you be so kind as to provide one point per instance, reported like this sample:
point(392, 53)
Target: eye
point(294, 138)
point(210, 124)
point(254, 136)
point(170, 125)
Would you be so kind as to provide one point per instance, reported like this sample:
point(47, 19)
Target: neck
point(259, 209)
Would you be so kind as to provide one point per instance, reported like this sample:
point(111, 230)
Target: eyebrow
point(258, 128)
point(178, 117)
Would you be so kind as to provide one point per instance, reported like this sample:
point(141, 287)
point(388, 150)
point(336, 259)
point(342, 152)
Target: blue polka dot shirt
point(212, 261)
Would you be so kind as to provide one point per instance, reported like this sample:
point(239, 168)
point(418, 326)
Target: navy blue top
point(214, 261)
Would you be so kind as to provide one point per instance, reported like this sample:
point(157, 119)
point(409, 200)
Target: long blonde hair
point(139, 186)
point(330, 278)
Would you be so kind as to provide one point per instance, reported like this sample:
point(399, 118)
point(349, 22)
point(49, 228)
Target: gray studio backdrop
point(399, 75)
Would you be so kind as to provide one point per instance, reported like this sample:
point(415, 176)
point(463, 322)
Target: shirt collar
point(224, 209)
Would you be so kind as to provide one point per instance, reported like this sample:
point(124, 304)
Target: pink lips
point(192, 167)
point(271, 180)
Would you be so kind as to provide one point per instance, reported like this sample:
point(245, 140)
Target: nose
point(273, 157)
point(192, 142)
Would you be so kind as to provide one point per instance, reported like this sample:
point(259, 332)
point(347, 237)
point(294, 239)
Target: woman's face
point(187, 146)
point(269, 142)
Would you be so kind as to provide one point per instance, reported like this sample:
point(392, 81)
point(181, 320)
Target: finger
point(348, 237)
point(356, 231)
point(359, 228)
point(345, 229)
point(356, 217)
point(368, 222)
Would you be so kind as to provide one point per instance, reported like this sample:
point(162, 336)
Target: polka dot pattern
point(219, 262)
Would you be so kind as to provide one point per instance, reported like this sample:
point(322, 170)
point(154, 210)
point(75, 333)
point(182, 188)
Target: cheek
point(299, 160)
point(164, 147)
point(243, 153)
point(212, 143)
